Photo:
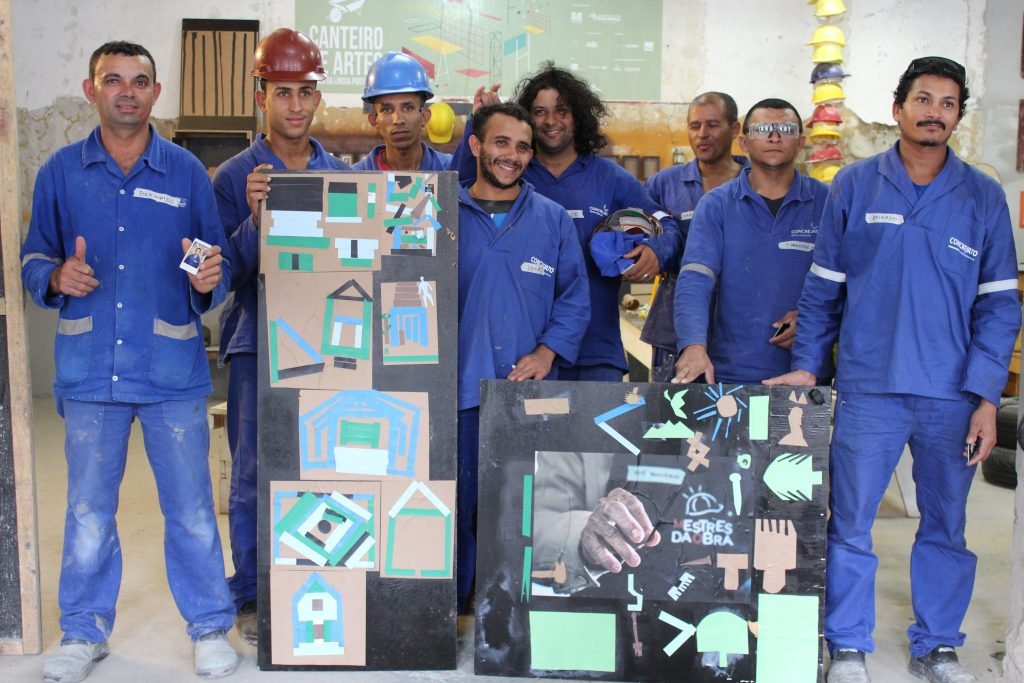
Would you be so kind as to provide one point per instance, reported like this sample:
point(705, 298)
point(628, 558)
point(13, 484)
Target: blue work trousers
point(589, 373)
point(177, 441)
point(870, 433)
point(242, 501)
point(469, 445)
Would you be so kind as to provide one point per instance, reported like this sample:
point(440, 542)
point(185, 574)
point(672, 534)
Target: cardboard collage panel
point(730, 582)
point(357, 421)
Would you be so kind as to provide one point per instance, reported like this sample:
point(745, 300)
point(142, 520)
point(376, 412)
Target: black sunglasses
point(926, 64)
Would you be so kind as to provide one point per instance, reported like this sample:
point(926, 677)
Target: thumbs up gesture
point(74, 277)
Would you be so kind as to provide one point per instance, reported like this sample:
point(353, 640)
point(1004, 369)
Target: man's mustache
point(932, 122)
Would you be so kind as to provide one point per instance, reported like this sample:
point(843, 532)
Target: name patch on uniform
point(798, 246)
point(969, 253)
point(537, 267)
point(574, 213)
point(894, 218)
point(143, 193)
point(686, 215)
point(600, 211)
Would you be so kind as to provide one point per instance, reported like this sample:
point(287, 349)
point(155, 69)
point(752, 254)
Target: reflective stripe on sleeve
point(37, 255)
point(997, 286)
point(698, 268)
point(827, 274)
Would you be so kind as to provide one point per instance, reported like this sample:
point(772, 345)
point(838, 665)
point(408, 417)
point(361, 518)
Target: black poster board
point(357, 421)
point(734, 480)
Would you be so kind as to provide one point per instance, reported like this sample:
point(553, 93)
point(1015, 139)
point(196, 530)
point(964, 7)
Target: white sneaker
point(73, 661)
point(214, 656)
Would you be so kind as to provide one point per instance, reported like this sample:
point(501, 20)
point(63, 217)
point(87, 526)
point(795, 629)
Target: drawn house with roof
point(365, 432)
point(317, 619)
point(348, 311)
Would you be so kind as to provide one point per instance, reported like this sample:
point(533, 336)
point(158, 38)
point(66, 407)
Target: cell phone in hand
point(782, 328)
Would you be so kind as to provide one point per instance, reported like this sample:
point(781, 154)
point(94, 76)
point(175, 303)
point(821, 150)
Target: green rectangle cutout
point(527, 505)
point(392, 222)
point(758, 418)
point(787, 638)
point(308, 242)
point(357, 262)
point(342, 204)
point(572, 641)
point(524, 594)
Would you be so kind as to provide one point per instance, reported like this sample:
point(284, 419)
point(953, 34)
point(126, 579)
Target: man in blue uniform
point(397, 88)
point(747, 254)
point(566, 168)
point(288, 66)
point(915, 273)
point(112, 217)
point(522, 292)
point(712, 125)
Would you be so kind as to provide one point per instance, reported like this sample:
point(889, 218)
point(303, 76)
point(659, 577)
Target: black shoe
point(245, 620)
point(848, 667)
point(941, 665)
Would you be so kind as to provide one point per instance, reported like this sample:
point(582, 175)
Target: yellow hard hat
point(441, 124)
point(828, 92)
point(824, 130)
point(824, 172)
point(829, 8)
point(827, 52)
point(828, 34)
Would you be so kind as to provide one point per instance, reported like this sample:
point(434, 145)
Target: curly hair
point(588, 111)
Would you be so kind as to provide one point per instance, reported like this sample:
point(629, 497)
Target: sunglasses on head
point(927, 64)
point(765, 130)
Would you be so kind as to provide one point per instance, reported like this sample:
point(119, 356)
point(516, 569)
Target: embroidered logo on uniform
point(894, 218)
point(537, 267)
point(143, 193)
point(959, 247)
point(601, 211)
point(574, 213)
point(798, 246)
point(686, 215)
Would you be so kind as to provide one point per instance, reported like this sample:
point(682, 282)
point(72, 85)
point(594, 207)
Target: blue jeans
point(177, 443)
point(241, 425)
point(870, 432)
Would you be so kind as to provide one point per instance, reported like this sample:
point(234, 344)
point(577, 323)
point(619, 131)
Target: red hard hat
point(287, 55)
point(827, 113)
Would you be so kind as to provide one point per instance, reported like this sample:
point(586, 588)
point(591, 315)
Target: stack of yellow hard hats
point(825, 157)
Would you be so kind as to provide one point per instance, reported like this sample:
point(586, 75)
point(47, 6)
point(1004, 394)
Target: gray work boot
point(848, 667)
point(73, 661)
point(214, 656)
point(246, 623)
point(941, 665)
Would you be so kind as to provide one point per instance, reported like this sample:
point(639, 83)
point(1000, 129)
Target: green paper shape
point(676, 402)
point(342, 205)
point(758, 418)
point(572, 641)
point(791, 476)
point(669, 430)
point(787, 638)
point(724, 633)
point(526, 592)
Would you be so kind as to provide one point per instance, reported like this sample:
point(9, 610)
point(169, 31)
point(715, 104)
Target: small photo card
point(196, 255)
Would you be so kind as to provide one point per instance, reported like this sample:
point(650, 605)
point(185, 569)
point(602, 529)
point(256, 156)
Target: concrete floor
point(149, 643)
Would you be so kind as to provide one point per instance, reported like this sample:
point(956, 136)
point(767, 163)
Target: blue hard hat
point(396, 72)
point(828, 71)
